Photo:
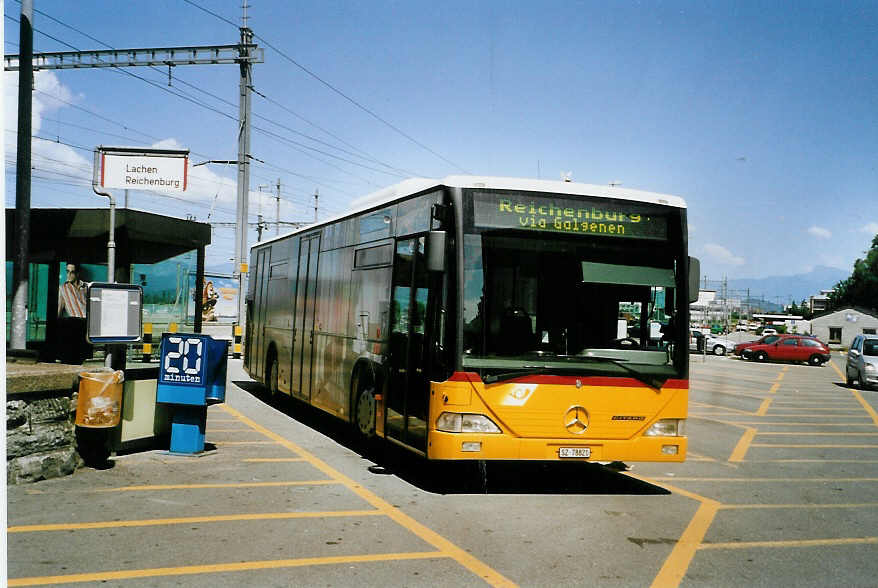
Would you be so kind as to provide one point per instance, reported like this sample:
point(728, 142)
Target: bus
point(482, 318)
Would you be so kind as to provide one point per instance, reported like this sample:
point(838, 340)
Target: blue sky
point(761, 115)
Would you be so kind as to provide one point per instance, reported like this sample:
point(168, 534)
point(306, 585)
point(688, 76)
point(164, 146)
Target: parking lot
point(778, 490)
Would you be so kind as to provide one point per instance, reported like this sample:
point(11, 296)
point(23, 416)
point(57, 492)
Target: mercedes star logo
point(576, 420)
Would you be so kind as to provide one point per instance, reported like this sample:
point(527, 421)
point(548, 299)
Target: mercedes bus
point(481, 318)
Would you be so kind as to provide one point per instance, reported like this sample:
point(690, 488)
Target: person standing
point(73, 346)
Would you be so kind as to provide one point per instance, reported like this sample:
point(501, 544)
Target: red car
point(740, 347)
point(789, 348)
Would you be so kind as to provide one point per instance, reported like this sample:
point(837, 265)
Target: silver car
point(862, 363)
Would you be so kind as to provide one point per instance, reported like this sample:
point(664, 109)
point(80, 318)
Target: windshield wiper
point(526, 370)
point(652, 382)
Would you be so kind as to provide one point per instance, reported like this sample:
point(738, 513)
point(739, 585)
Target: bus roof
point(416, 185)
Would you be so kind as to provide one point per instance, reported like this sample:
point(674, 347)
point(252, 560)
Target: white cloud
point(50, 159)
point(871, 228)
point(820, 232)
point(720, 254)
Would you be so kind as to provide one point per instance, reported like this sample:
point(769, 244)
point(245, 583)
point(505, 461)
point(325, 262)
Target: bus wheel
point(366, 412)
point(272, 377)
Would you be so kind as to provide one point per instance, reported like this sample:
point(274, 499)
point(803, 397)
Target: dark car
point(740, 347)
point(790, 348)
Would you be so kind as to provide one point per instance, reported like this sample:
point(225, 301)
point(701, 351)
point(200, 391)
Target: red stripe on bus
point(593, 381)
point(103, 165)
point(464, 377)
point(570, 380)
point(185, 171)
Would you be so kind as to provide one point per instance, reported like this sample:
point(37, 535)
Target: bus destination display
point(569, 215)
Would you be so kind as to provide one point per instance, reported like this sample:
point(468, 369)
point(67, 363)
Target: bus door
point(303, 333)
point(408, 362)
point(261, 301)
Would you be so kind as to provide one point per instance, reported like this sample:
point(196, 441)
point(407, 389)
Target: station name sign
point(554, 213)
point(136, 171)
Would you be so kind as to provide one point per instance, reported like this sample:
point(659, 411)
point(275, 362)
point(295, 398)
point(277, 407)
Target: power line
point(336, 90)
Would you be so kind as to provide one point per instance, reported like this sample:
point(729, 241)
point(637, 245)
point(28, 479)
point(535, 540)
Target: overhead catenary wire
point(183, 96)
point(400, 173)
point(335, 90)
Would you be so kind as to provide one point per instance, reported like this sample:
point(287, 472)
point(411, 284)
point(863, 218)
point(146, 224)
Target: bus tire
point(365, 412)
point(272, 375)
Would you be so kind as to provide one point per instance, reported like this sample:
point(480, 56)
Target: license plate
point(574, 452)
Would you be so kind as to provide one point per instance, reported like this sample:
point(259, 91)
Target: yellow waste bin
point(100, 398)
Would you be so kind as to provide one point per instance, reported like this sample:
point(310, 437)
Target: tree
point(861, 288)
point(805, 309)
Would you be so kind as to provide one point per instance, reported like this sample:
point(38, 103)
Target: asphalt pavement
point(777, 490)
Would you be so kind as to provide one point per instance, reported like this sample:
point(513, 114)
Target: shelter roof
point(81, 235)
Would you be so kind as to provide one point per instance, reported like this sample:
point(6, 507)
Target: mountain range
point(780, 290)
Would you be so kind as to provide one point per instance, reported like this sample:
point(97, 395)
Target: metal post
point(111, 243)
point(277, 212)
point(20, 263)
point(243, 165)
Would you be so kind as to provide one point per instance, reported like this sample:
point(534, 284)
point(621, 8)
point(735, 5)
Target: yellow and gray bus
point(481, 318)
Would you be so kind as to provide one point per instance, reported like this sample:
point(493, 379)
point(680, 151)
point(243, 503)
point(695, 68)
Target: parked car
point(696, 340)
point(718, 345)
point(790, 348)
point(741, 347)
point(862, 363)
point(709, 343)
point(769, 332)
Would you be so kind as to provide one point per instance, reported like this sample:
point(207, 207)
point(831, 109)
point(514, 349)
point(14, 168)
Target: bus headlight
point(666, 428)
point(455, 422)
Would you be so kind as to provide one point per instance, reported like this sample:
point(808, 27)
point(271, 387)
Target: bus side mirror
point(694, 278)
point(436, 251)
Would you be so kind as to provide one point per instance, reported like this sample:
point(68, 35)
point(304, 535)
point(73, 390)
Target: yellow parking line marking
point(445, 546)
point(751, 480)
point(763, 408)
point(242, 442)
point(743, 445)
point(189, 520)
point(675, 566)
point(866, 406)
point(223, 567)
point(803, 424)
point(793, 543)
point(812, 461)
point(729, 393)
point(797, 506)
point(692, 456)
point(218, 430)
point(220, 485)
point(734, 410)
point(838, 371)
point(814, 411)
point(272, 459)
point(812, 434)
point(813, 446)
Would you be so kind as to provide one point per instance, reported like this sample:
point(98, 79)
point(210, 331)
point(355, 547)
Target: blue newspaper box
point(192, 375)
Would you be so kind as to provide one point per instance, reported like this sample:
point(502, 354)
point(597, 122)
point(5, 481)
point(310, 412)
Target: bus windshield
point(551, 303)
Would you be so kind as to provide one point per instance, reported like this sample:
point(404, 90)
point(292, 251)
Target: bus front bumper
point(467, 446)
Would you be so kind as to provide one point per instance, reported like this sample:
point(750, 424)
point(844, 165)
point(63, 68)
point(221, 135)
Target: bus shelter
point(144, 242)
